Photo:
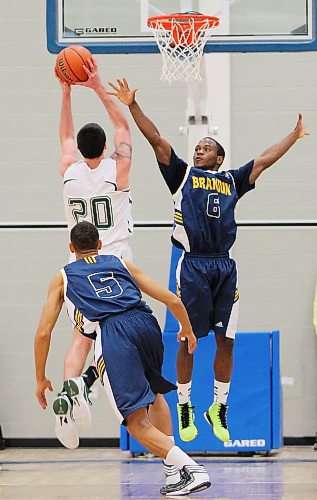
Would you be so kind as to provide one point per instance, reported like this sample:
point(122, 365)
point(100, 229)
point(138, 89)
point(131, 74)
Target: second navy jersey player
point(105, 303)
point(205, 229)
point(97, 287)
point(204, 204)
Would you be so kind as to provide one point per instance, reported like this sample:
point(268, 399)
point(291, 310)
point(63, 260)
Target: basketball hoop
point(181, 39)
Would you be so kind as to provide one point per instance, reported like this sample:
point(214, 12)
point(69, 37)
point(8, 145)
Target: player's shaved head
point(84, 237)
point(212, 141)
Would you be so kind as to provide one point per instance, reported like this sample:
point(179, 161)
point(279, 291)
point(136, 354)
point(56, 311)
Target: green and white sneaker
point(65, 428)
point(186, 417)
point(216, 416)
point(77, 391)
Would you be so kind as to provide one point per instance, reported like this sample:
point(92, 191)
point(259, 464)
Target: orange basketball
point(69, 64)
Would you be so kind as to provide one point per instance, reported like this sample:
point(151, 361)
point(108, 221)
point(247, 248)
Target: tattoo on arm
point(124, 150)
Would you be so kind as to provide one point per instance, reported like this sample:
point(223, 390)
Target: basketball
point(69, 64)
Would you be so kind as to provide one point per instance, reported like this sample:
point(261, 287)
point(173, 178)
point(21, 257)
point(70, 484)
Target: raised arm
point(42, 340)
point(175, 305)
point(122, 137)
point(275, 152)
point(161, 147)
point(66, 129)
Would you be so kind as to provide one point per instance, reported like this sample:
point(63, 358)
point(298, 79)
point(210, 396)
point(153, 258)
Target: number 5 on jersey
point(105, 285)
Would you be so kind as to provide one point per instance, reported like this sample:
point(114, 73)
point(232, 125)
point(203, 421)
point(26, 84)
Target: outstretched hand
point(40, 391)
point(300, 127)
point(123, 92)
point(66, 87)
point(94, 81)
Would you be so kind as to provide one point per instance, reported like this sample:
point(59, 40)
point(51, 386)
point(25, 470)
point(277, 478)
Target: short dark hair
point(220, 150)
point(84, 236)
point(91, 140)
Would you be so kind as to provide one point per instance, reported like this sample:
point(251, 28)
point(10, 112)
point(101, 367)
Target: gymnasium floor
point(109, 474)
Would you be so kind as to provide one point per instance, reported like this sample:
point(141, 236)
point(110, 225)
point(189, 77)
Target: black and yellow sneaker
point(216, 416)
point(186, 417)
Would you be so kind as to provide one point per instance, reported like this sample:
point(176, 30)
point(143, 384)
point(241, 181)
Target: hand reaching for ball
point(91, 69)
point(66, 88)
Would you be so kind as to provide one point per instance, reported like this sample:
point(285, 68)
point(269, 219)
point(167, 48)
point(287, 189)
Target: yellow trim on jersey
point(79, 320)
point(90, 260)
point(101, 366)
point(179, 222)
point(236, 296)
point(177, 213)
point(178, 217)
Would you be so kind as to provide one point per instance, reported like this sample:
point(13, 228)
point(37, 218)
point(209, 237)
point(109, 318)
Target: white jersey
point(93, 195)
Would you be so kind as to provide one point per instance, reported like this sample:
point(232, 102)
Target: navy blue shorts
point(208, 289)
point(129, 356)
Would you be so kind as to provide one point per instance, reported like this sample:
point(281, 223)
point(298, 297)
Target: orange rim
point(184, 19)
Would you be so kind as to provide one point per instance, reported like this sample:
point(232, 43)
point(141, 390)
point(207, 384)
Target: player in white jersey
point(93, 195)
point(96, 189)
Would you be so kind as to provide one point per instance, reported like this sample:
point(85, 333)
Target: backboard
point(108, 26)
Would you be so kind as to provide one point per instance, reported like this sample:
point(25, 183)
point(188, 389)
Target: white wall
point(277, 266)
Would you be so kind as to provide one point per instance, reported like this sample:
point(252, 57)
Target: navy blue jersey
point(96, 288)
point(204, 204)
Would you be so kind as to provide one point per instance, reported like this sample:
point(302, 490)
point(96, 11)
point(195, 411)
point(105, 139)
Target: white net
point(181, 43)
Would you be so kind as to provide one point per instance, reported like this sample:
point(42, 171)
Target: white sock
point(172, 439)
point(172, 473)
point(183, 392)
point(179, 458)
point(221, 391)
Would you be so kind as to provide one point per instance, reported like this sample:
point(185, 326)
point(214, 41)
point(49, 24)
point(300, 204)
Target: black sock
point(90, 376)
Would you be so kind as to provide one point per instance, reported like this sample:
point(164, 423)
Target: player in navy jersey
point(205, 229)
point(104, 302)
